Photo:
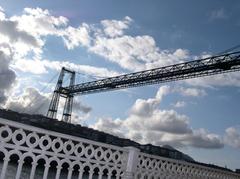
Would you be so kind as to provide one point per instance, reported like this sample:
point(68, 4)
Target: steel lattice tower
point(53, 107)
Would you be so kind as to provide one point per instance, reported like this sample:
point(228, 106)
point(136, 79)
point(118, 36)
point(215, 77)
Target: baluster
point(70, 170)
point(109, 175)
point(80, 173)
point(4, 168)
point(34, 166)
point(90, 174)
point(100, 174)
point(117, 176)
point(19, 169)
point(46, 169)
point(59, 168)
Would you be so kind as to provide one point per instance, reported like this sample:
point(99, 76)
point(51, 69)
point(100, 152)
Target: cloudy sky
point(104, 38)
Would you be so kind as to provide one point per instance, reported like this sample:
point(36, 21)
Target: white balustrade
point(156, 167)
point(75, 157)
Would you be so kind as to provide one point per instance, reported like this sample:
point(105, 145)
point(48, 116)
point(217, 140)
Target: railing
point(156, 167)
point(30, 152)
point(46, 150)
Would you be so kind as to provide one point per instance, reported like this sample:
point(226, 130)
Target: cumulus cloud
point(19, 40)
point(40, 22)
point(146, 123)
point(232, 137)
point(25, 35)
point(136, 53)
point(203, 139)
point(110, 126)
point(131, 52)
point(74, 37)
point(33, 101)
point(114, 28)
point(9, 29)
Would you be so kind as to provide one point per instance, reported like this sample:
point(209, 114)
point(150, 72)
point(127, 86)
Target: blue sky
point(104, 38)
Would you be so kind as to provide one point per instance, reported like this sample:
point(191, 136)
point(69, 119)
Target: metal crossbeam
point(203, 67)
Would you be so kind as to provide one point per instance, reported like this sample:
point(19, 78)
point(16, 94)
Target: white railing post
point(19, 168)
point(34, 166)
point(59, 168)
point(46, 169)
point(4, 168)
point(132, 162)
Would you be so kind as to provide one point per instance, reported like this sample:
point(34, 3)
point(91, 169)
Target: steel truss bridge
point(213, 65)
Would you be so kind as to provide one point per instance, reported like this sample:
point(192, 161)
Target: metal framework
point(53, 107)
point(224, 63)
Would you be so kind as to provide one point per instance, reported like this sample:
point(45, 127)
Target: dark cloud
point(9, 29)
point(7, 76)
point(2, 97)
point(34, 102)
point(78, 106)
point(31, 101)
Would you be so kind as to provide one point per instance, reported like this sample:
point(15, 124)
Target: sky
point(99, 39)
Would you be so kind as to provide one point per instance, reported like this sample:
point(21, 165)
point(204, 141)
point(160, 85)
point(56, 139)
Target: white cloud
point(218, 14)
point(74, 37)
point(194, 92)
point(160, 120)
point(85, 69)
point(232, 137)
point(42, 66)
point(146, 107)
point(147, 123)
point(136, 53)
point(110, 126)
point(179, 104)
point(40, 22)
point(2, 14)
point(114, 28)
point(31, 66)
point(20, 41)
point(130, 52)
point(228, 79)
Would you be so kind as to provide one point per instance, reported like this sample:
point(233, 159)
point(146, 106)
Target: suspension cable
point(41, 91)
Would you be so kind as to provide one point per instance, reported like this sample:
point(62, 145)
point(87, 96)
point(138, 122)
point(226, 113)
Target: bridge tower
point(53, 107)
